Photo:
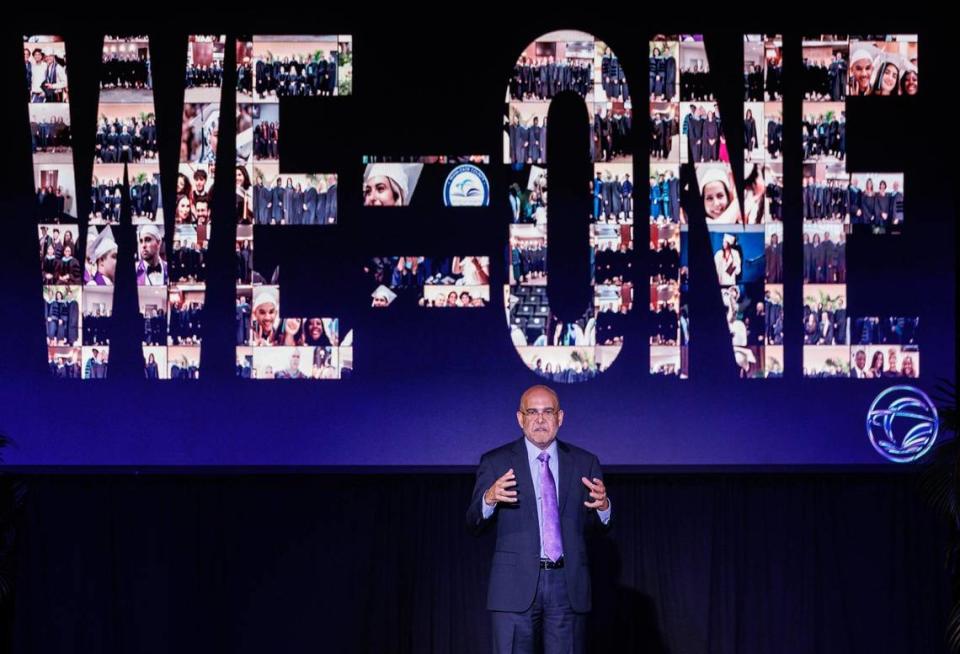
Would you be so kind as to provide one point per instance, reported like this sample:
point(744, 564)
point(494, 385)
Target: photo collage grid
point(568, 61)
point(270, 345)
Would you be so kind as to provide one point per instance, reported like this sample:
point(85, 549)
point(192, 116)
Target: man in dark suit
point(330, 208)
point(543, 495)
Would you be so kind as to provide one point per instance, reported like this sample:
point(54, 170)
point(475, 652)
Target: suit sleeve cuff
point(605, 515)
point(486, 509)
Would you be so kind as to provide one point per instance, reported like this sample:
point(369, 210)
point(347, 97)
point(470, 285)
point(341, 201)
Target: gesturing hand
point(500, 490)
point(598, 492)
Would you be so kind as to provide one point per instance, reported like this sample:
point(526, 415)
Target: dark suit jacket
point(331, 206)
point(516, 561)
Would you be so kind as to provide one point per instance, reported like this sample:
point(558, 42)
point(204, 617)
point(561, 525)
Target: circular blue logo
point(902, 424)
point(466, 186)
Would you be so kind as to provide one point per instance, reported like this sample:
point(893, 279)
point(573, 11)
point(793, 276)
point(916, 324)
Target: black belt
point(547, 564)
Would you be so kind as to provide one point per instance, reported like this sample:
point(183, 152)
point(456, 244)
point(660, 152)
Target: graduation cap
point(149, 230)
point(245, 145)
point(383, 293)
point(716, 173)
point(863, 51)
point(265, 295)
point(99, 245)
point(880, 63)
point(405, 176)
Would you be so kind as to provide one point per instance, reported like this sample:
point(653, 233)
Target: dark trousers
point(549, 625)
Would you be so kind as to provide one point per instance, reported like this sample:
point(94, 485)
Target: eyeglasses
point(546, 413)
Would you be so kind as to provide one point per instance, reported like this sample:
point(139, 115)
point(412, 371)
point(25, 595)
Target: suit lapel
point(526, 494)
point(565, 471)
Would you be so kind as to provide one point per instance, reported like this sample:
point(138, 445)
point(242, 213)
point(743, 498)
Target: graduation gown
point(749, 133)
point(54, 313)
point(670, 77)
point(884, 213)
point(840, 326)
point(535, 154)
point(711, 131)
point(868, 205)
point(243, 323)
point(50, 269)
point(830, 260)
point(607, 194)
point(276, 199)
point(626, 191)
point(597, 196)
point(309, 216)
point(808, 202)
point(294, 205)
point(819, 263)
point(695, 136)
point(773, 255)
point(331, 204)
point(616, 206)
point(896, 207)
point(662, 192)
point(519, 154)
point(320, 216)
point(773, 141)
point(854, 204)
point(261, 198)
point(73, 321)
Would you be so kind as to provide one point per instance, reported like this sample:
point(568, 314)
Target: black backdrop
point(805, 562)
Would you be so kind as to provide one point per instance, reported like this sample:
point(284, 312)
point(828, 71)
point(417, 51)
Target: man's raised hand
point(598, 492)
point(501, 491)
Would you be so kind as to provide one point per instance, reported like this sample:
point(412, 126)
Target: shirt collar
point(533, 451)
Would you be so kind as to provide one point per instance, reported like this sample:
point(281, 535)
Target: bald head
point(540, 415)
point(539, 388)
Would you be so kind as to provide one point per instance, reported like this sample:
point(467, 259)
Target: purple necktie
point(552, 540)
